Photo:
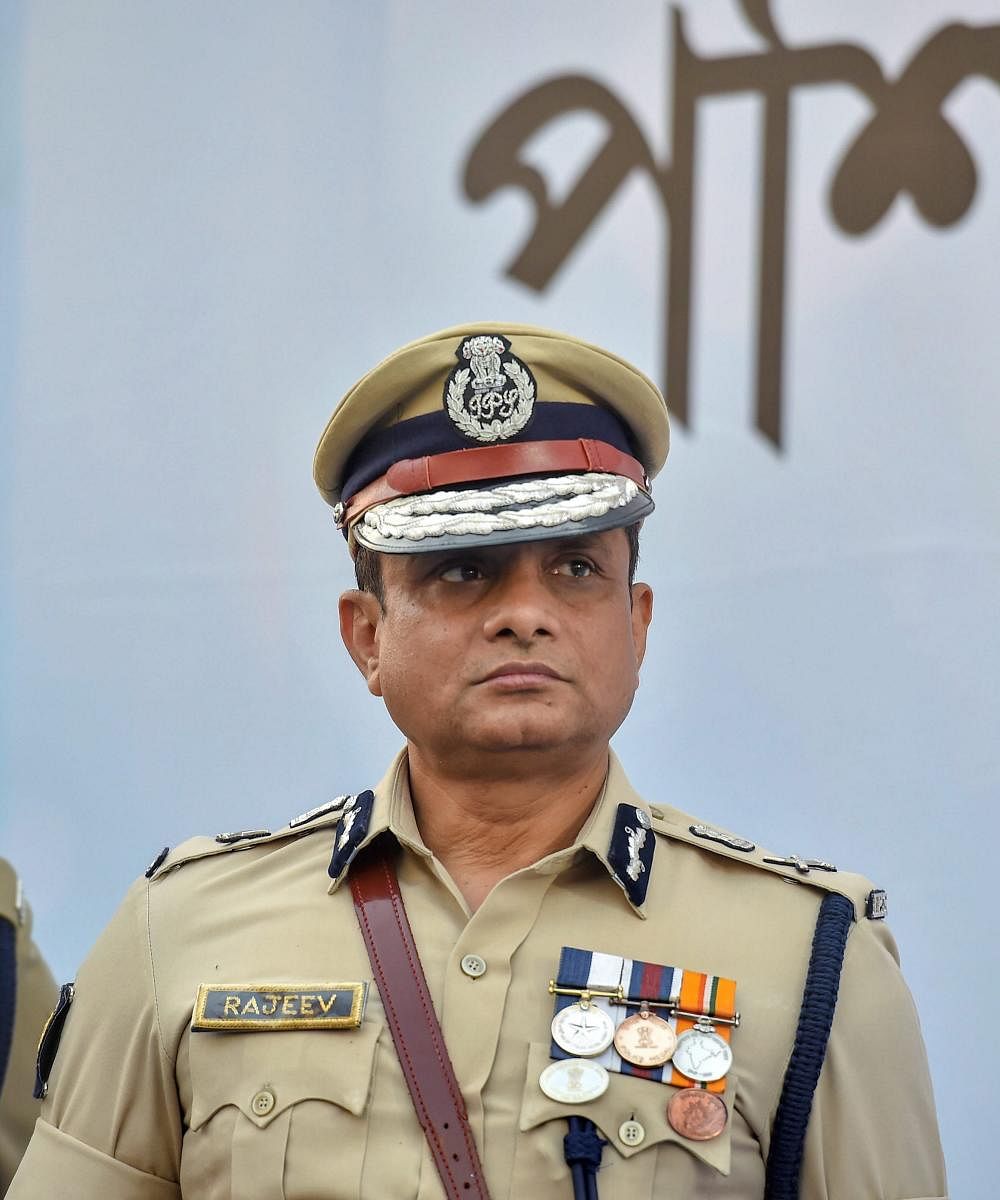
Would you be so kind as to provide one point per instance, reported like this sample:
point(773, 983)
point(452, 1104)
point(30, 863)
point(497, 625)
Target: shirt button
point(262, 1103)
point(474, 966)
point(631, 1133)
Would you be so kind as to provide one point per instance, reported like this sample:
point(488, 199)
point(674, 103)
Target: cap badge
point(492, 398)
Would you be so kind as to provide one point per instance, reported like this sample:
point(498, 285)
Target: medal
point(573, 1081)
point(645, 1039)
point(697, 1114)
point(702, 1054)
point(582, 1029)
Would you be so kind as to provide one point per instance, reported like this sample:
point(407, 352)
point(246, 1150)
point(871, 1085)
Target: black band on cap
point(435, 433)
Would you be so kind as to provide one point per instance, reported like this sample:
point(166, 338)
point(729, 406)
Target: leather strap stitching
point(375, 880)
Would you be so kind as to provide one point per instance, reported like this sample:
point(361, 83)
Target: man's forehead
point(604, 541)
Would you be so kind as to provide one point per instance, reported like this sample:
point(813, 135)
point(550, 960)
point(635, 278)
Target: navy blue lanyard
point(583, 1147)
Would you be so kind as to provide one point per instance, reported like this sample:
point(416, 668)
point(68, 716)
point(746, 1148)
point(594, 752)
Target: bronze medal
point(645, 1039)
point(697, 1115)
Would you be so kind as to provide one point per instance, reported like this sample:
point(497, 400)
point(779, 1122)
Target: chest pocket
point(280, 1115)
point(663, 1163)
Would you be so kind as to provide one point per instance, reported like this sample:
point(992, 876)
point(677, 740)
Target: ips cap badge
point(491, 399)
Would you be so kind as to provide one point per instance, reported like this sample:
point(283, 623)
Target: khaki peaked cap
point(558, 418)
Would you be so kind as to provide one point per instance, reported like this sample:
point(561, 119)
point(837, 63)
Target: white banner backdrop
point(215, 217)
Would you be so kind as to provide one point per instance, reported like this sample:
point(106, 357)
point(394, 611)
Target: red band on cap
point(411, 476)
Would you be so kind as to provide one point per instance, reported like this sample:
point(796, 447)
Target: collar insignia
point(351, 831)
point(630, 854)
point(724, 839)
point(492, 398)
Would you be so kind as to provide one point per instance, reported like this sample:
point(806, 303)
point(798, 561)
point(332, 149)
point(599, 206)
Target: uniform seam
point(152, 980)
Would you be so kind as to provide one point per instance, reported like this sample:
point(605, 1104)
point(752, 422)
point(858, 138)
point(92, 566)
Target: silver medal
point(702, 1054)
point(582, 1030)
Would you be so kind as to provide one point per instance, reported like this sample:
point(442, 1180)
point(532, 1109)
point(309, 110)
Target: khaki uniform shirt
point(34, 995)
point(140, 1107)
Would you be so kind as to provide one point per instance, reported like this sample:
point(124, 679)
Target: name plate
point(269, 1007)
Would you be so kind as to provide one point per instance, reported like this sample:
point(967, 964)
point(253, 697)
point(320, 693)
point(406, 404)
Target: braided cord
point(819, 1000)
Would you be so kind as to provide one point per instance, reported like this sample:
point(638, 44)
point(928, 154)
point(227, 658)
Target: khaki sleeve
point(110, 1125)
point(35, 995)
point(873, 1129)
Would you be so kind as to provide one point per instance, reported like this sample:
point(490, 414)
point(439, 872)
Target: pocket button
point(262, 1103)
point(631, 1133)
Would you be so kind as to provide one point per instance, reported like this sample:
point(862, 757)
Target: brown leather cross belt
point(415, 1030)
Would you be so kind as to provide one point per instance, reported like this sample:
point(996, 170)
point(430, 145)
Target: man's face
point(533, 647)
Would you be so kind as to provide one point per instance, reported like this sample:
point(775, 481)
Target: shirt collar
point(618, 832)
point(619, 835)
point(387, 807)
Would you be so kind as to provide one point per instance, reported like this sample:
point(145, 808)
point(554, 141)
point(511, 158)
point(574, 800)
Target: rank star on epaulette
point(802, 865)
point(724, 839)
point(321, 810)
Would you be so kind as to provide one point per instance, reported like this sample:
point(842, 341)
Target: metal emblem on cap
point(574, 1081)
point(702, 1054)
point(491, 399)
point(583, 1029)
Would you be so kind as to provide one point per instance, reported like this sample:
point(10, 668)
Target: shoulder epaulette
point(12, 904)
point(321, 817)
point(867, 900)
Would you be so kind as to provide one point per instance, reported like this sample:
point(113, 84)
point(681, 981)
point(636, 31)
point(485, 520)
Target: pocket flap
point(627, 1097)
point(261, 1074)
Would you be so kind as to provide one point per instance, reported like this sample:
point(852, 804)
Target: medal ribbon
point(709, 994)
point(690, 990)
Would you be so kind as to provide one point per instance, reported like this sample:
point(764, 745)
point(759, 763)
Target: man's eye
point(461, 573)
point(579, 568)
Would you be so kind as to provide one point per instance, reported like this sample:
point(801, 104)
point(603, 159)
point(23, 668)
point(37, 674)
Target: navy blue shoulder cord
point(819, 999)
point(583, 1146)
point(8, 991)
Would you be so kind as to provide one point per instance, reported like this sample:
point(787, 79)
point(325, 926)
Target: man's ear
point(642, 614)
point(360, 616)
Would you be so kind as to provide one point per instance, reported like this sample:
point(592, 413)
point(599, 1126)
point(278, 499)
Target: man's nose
point(522, 606)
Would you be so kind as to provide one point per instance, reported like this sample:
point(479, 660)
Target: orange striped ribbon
point(715, 996)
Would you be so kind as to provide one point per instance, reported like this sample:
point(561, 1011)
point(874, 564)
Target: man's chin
point(533, 738)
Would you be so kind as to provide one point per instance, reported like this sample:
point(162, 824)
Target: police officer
point(27, 994)
point(500, 971)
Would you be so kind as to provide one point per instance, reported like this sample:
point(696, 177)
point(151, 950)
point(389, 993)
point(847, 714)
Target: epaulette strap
point(819, 1000)
point(8, 991)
